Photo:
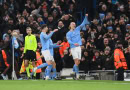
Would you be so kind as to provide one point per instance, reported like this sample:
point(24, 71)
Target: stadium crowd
point(111, 24)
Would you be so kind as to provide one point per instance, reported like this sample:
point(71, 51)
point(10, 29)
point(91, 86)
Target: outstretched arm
point(55, 45)
point(49, 36)
point(85, 21)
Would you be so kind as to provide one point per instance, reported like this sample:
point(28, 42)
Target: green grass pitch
point(64, 85)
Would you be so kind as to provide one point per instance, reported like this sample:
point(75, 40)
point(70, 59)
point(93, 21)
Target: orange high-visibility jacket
point(38, 62)
point(5, 58)
point(64, 47)
point(119, 59)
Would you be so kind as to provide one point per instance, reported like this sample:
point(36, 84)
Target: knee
point(77, 62)
point(49, 63)
point(54, 64)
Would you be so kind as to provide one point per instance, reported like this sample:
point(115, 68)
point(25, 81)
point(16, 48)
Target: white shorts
point(52, 58)
point(47, 55)
point(76, 53)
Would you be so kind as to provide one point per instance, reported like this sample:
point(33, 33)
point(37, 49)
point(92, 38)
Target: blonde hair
point(70, 25)
point(28, 28)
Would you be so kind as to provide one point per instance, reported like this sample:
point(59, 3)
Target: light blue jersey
point(74, 36)
point(52, 46)
point(44, 38)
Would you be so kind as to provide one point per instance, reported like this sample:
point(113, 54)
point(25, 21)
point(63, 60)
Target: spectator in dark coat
point(127, 55)
point(107, 62)
point(96, 61)
point(85, 62)
point(68, 60)
point(61, 33)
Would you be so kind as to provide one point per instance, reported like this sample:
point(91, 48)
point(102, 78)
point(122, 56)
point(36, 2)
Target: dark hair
point(43, 26)
point(119, 42)
point(50, 16)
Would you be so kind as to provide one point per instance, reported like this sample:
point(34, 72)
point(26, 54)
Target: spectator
point(68, 60)
point(61, 32)
point(107, 62)
point(65, 46)
point(96, 61)
point(127, 55)
point(85, 62)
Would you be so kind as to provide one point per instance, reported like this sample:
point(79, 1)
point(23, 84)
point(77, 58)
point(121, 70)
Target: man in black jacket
point(107, 62)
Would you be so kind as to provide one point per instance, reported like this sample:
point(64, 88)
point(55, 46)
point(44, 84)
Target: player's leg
point(5, 72)
point(49, 67)
point(45, 54)
point(54, 69)
point(47, 57)
point(76, 67)
point(8, 66)
point(26, 63)
point(33, 59)
point(45, 73)
point(76, 53)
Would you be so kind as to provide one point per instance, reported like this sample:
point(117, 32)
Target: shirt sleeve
point(48, 36)
point(53, 45)
point(56, 46)
point(69, 39)
point(85, 21)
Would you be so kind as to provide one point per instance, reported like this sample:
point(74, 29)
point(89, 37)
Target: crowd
point(111, 24)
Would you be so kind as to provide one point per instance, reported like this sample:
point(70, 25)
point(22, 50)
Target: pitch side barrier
point(107, 74)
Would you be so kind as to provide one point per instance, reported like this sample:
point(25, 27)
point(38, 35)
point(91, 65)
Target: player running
point(45, 39)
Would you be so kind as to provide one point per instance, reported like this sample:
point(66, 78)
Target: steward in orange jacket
point(64, 45)
point(119, 61)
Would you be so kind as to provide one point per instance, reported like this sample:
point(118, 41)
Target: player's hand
point(55, 30)
point(58, 42)
point(61, 45)
point(76, 44)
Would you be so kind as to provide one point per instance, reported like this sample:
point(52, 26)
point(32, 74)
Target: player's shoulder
point(33, 36)
point(42, 33)
point(68, 33)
